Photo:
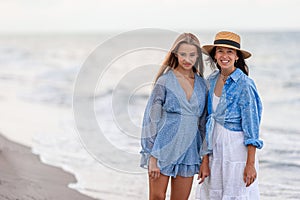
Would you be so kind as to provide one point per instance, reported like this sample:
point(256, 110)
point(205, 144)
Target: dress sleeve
point(202, 128)
point(251, 109)
point(151, 120)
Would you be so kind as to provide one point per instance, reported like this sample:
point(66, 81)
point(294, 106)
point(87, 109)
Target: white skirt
point(227, 164)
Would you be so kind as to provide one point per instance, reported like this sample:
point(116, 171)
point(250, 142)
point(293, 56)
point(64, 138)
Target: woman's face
point(187, 56)
point(226, 57)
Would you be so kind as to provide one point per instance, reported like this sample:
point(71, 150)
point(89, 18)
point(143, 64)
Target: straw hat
point(229, 40)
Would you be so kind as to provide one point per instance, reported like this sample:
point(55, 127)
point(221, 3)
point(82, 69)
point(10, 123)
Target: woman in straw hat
point(232, 129)
point(171, 137)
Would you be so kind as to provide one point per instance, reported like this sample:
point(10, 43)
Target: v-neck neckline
point(181, 88)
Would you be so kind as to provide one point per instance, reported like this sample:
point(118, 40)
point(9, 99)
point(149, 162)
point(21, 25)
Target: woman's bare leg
point(181, 187)
point(158, 187)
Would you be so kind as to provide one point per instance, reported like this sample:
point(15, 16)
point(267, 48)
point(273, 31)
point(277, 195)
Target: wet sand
point(24, 177)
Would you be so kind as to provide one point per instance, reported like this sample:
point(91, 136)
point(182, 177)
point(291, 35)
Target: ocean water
point(83, 96)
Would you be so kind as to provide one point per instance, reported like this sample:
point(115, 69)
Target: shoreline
point(24, 176)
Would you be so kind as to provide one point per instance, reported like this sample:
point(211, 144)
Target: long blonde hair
point(171, 60)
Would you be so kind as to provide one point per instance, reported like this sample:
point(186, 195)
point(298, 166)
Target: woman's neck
point(227, 72)
point(185, 73)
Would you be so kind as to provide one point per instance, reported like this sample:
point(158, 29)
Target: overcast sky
point(106, 15)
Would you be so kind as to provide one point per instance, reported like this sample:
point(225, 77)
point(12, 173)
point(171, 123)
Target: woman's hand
point(153, 170)
point(204, 169)
point(249, 174)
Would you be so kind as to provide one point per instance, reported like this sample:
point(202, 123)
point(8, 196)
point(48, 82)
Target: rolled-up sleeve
point(151, 120)
point(251, 110)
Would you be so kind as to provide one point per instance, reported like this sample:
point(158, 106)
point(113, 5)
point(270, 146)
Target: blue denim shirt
point(239, 108)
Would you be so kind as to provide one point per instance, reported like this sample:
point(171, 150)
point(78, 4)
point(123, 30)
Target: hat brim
point(208, 48)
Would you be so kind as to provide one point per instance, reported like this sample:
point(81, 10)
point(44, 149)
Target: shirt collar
point(236, 75)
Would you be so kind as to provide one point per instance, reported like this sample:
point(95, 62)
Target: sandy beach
point(24, 176)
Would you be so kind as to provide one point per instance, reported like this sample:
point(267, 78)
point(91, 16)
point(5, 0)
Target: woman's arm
point(152, 116)
point(204, 169)
point(153, 170)
point(250, 171)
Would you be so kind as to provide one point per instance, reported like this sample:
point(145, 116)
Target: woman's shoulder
point(247, 85)
point(213, 75)
point(201, 80)
point(162, 80)
point(247, 81)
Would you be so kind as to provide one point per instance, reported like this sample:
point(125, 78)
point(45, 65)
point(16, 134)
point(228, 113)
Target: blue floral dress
point(174, 127)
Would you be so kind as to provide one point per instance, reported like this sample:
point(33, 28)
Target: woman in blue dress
point(174, 121)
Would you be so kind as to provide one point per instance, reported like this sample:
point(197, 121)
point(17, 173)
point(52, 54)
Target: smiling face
point(187, 55)
point(226, 57)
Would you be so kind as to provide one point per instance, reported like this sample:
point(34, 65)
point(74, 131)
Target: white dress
point(227, 164)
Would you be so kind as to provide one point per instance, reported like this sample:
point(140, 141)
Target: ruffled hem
point(217, 195)
point(204, 191)
point(183, 170)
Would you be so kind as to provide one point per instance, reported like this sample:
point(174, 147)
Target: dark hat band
point(228, 42)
